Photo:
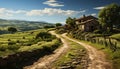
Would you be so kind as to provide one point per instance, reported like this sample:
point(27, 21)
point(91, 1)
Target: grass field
point(24, 41)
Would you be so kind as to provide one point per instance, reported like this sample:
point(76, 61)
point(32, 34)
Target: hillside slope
point(23, 25)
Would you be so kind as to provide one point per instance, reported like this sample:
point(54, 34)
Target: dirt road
point(97, 58)
point(44, 63)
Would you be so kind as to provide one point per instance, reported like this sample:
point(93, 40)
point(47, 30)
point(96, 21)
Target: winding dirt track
point(44, 63)
point(97, 58)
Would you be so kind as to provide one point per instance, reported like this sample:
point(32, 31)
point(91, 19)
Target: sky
point(52, 11)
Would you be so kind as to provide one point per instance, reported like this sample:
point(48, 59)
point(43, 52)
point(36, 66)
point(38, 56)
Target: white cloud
point(16, 12)
point(82, 11)
point(52, 11)
point(53, 3)
point(98, 8)
point(8, 12)
point(2, 10)
point(4, 13)
point(93, 14)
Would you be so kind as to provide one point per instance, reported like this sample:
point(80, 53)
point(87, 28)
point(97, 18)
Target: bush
point(43, 35)
point(46, 27)
point(17, 41)
point(3, 48)
point(31, 32)
point(34, 41)
point(9, 39)
point(11, 43)
point(23, 37)
point(28, 44)
point(13, 47)
point(12, 29)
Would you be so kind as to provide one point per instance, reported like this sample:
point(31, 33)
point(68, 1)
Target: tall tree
point(109, 16)
point(58, 24)
point(70, 22)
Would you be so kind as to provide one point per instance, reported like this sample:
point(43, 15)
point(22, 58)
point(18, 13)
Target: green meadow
point(25, 41)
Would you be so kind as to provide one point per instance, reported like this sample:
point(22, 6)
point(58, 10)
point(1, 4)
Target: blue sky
point(51, 11)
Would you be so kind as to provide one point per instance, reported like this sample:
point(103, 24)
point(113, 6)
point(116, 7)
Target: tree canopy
point(109, 16)
point(70, 22)
point(58, 24)
point(43, 35)
point(12, 29)
point(47, 26)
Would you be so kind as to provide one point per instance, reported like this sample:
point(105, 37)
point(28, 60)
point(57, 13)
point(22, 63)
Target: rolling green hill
point(22, 25)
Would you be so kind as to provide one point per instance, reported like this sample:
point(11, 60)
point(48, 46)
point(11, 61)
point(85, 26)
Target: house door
point(92, 28)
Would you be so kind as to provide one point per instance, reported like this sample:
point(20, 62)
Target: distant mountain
point(23, 25)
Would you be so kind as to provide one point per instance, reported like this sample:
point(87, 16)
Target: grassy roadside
point(76, 57)
point(113, 57)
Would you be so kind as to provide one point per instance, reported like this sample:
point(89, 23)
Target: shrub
point(17, 41)
point(11, 43)
point(46, 27)
point(13, 47)
point(23, 37)
point(3, 48)
point(28, 44)
point(9, 39)
point(12, 29)
point(43, 35)
point(33, 41)
point(31, 32)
